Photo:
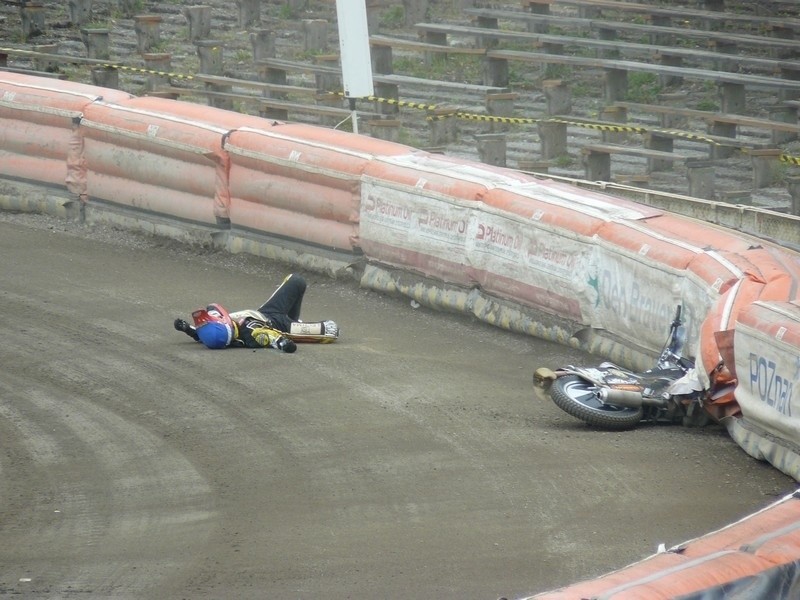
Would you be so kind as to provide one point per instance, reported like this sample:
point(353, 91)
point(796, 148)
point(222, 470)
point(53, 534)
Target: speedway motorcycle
point(614, 398)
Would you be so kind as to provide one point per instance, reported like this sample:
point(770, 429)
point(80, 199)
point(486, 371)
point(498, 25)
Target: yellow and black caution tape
point(147, 71)
point(606, 127)
point(393, 101)
point(494, 119)
point(93, 63)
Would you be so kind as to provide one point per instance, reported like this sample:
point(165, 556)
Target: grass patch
point(564, 161)
point(394, 17)
point(241, 55)
point(453, 67)
point(643, 87)
point(286, 12)
point(707, 104)
point(558, 72)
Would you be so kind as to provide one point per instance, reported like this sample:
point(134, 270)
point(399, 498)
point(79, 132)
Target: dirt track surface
point(409, 460)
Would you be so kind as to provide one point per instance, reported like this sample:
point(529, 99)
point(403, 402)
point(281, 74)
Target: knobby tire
point(574, 395)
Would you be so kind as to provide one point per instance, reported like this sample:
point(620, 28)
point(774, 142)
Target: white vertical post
point(351, 16)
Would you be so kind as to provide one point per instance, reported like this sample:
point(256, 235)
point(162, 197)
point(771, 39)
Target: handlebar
point(673, 347)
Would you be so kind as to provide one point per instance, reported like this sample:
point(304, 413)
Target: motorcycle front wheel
point(578, 397)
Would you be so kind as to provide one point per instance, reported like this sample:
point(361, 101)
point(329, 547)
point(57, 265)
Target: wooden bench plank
point(60, 58)
point(288, 106)
point(597, 159)
point(600, 24)
point(316, 109)
point(700, 172)
point(436, 84)
point(467, 31)
point(625, 65)
point(389, 79)
point(381, 40)
point(632, 151)
point(257, 85)
point(733, 61)
point(741, 120)
point(675, 134)
point(290, 65)
point(34, 73)
point(684, 12)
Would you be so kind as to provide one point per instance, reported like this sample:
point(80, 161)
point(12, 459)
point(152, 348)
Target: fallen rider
point(275, 324)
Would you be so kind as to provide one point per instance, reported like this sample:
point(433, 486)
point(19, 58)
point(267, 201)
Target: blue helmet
point(214, 326)
point(215, 335)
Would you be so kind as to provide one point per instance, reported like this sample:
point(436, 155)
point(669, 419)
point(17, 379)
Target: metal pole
point(354, 115)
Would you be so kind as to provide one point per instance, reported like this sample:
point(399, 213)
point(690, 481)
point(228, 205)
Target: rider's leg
point(287, 299)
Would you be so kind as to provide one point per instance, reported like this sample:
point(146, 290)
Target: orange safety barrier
point(444, 176)
point(701, 234)
point(161, 156)
point(766, 273)
point(565, 223)
point(38, 139)
point(417, 208)
point(301, 182)
point(760, 552)
point(558, 227)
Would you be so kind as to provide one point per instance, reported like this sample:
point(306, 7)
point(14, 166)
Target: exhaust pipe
point(625, 398)
point(629, 399)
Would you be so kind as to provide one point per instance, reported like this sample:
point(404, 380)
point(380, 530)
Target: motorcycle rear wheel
point(577, 397)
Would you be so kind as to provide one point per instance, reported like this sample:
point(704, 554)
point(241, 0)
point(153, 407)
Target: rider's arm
point(258, 334)
point(189, 330)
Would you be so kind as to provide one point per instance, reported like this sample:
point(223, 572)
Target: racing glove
point(272, 338)
point(286, 344)
point(181, 325)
